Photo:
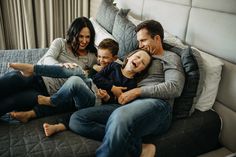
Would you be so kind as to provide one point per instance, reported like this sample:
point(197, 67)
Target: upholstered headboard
point(209, 25)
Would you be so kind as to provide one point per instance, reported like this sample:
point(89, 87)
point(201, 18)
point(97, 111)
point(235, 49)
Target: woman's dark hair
point(153, 27)
point(75, 28)
point(143, 73)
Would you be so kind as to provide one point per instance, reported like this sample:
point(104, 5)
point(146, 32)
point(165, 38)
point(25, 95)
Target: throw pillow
point(184, 105)
point(133, 20)
point(202, 77)
point(213, 68)
point(124, 33)
point(174, 44)
point(106, 14)
point(101, 33)
point(173, 40)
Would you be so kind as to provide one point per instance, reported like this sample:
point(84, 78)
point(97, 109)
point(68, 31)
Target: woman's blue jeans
point(18, 92)
point(57, 71)
point(74, 93)
point(122, 129)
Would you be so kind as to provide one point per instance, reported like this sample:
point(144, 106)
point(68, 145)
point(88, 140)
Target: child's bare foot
point(148, 150)
point(44, 100)
point(23, 116)
point(52, 129)
point(26, 69)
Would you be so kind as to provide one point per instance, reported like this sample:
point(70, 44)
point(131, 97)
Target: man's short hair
point(153, 27)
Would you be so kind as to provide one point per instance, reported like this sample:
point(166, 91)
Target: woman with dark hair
point(20, 93)
point(73, 34)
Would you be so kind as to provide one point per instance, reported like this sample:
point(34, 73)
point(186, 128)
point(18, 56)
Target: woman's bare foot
point(148, 150)
point(24, 116)
point(26, 69)
point(44, 100)
point(52, 129)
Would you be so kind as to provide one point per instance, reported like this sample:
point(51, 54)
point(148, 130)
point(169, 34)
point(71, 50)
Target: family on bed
point(116, 103)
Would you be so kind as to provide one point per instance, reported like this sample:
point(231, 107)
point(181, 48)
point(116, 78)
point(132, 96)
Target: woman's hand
point(69, 65)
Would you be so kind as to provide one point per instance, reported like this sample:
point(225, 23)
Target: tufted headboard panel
point(212, 28)
point(209, 25)
point(163, 14)
point(159, 10)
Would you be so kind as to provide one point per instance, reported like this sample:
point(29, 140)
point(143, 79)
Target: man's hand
point(117, 91)
point(128, 96)
point(69, 65)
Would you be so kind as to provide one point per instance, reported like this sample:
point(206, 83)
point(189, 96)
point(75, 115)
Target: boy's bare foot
point(23, 116)
point(44, 100)
point(26, 69)
point(52, 129)
point(148, 150)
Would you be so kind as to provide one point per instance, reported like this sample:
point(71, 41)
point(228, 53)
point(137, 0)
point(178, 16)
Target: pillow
point(202, 77)
point(173, 40)
point(100, 32)
point(213, 68)
point(184, 105)
point(124, 33)
point(106, 14)
point(133, 20)
point(185, 109)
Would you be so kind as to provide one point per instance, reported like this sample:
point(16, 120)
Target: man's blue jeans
point(124, 127)
point(91, 122)
point(128, 124)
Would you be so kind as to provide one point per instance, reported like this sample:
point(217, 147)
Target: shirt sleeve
point(174, 80)
point(53, 52)
point(91, 73)
point(103, 78)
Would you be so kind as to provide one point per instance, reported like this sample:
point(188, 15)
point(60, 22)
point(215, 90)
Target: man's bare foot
point(44, 100)
point(26, 69)
point(148, 150)
point(52, 129)
point(23, 116)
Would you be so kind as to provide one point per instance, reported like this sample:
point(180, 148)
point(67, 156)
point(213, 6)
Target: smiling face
point(146, 42)
point(83, 38)
point(105, 57)
point(138, 61)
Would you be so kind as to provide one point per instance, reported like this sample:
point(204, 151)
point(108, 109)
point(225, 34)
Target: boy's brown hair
point(109, 44)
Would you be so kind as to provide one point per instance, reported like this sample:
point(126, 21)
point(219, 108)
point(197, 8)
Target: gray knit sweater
point(58, 53)
point(165, 78)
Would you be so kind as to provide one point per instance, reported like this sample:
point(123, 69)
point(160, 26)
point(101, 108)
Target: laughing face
point(83, 38)
point(148, 43)
point(105, 57)
point(138, 61)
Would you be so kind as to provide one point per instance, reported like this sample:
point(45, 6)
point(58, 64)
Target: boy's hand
point(97, 67)
point(69, 65)
point(103, 95)
point(117, 91)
